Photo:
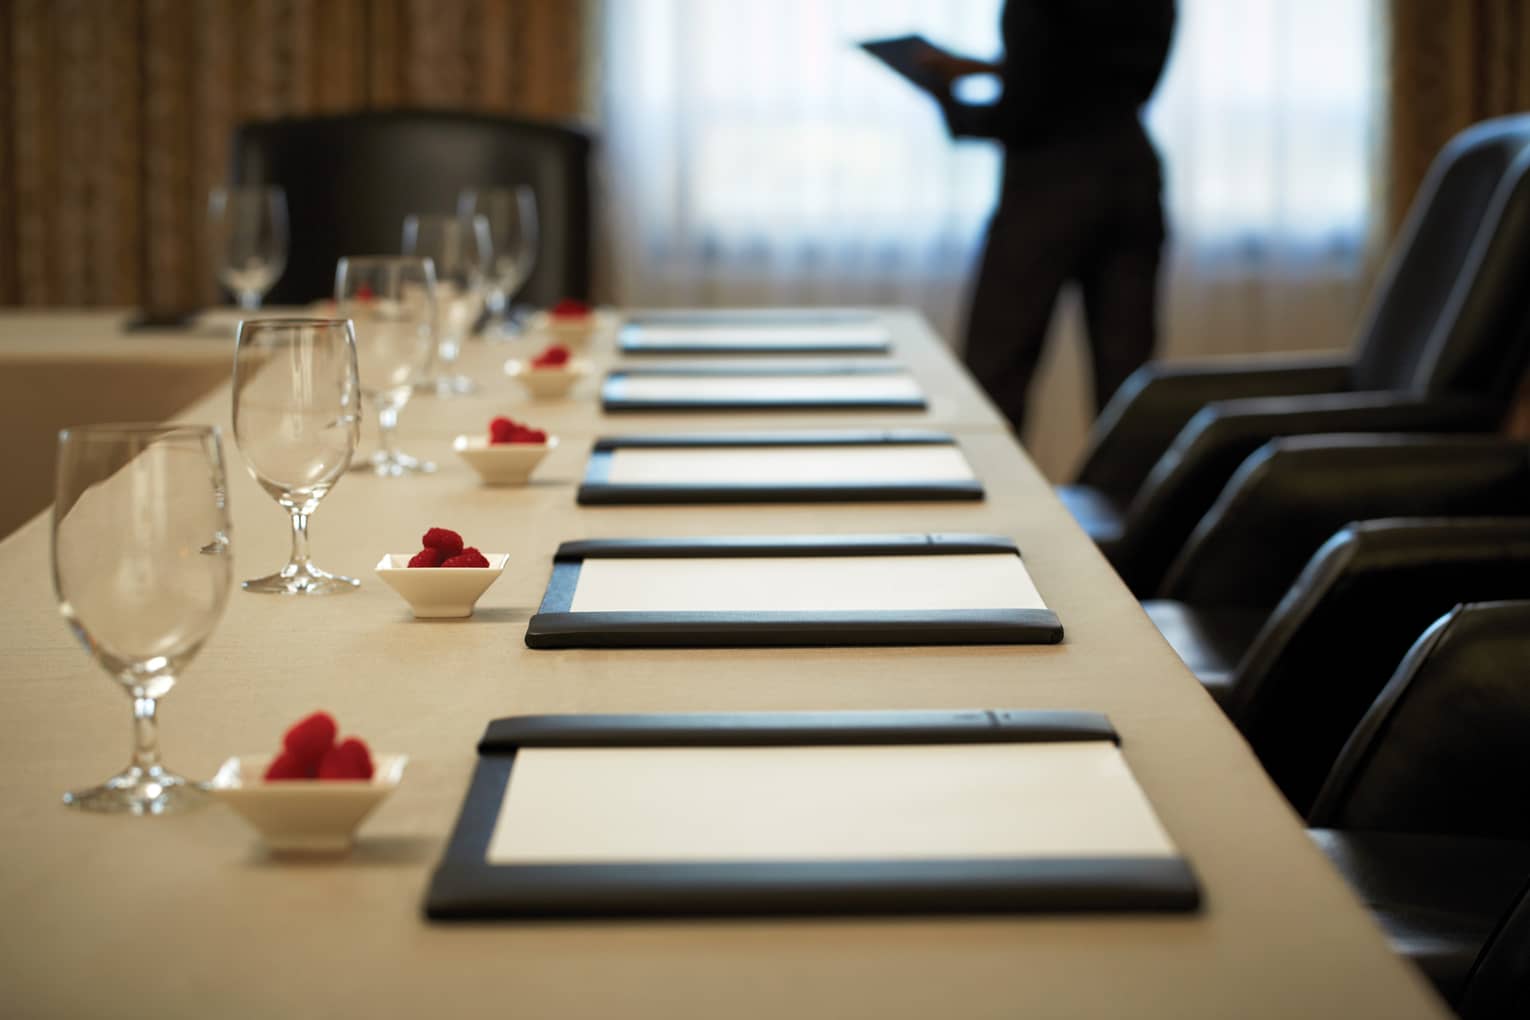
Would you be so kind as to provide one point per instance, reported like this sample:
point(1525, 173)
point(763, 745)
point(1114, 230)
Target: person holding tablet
point(1080, 200)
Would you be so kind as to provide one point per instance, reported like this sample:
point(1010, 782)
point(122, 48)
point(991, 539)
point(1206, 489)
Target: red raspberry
point(449, 542)
point(502, 430)
point(348, 759)
point(427, 558)
point(555, 356)
point(468, 557)
point(309, 738)
point(289, 766)
point(535, 436)
point(570, 308)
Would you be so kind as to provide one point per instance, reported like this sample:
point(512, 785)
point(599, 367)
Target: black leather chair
point(351, 179)
point(1427, 810)
point(1440, 350)
point(1289, 498)
point(1499, 984)
point(1334, 640)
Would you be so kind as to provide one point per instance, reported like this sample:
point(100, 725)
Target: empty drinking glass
point(512, 217)
point(297, 414)
point(248, 232)
point(391, 300)
point(141, 568)
point(459, 248)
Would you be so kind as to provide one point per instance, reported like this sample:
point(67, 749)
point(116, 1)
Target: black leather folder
point(467, 885)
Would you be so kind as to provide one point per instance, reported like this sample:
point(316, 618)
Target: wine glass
point(141, 568)
point(297, 414)
point(249, 240)
point(512, 217)
point(459, 248)
point(391, 300)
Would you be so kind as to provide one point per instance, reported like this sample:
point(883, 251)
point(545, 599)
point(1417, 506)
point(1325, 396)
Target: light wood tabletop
point(190, 916)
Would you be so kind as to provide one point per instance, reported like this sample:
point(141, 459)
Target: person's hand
point(944, 67)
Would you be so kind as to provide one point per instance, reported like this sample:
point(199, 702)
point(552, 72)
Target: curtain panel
point(1450, 65)
point(116, 116)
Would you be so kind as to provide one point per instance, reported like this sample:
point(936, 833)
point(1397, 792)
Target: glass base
point(393, 465)
point(447, 386)
point(138, 791)
point(301, 579)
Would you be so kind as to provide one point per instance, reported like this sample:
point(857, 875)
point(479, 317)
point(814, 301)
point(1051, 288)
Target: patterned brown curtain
point(116, 115)
point(1452, 63)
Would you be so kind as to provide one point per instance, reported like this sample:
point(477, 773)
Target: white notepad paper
point(788, 465)
point(908, 802)
point(805, 583)
point(846, 335)
point(790, 388)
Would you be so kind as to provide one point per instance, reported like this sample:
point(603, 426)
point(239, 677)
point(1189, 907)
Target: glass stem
point(299, 538)
point(249, 300)
point(145, 734)
point(387, 430)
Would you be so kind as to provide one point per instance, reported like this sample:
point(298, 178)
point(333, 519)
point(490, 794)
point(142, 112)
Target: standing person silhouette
point(1080, 201)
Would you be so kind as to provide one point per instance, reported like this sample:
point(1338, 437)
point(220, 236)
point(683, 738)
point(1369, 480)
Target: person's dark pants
point(1085, 209)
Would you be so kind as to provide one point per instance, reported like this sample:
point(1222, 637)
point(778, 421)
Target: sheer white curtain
point(754, 155)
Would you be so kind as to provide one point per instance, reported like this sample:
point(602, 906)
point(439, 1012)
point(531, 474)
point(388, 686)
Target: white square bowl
point(573, 332)
point(304, 815)
point(440, 593)
point(548, 382)
point(502, 463)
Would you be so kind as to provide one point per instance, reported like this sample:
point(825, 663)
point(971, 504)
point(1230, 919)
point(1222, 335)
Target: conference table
point(191, 915)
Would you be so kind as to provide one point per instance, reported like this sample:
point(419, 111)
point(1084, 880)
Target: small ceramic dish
point(573, 331)
point(440, 593)
point(548, 382)
point(318, 816)
point(502, 463)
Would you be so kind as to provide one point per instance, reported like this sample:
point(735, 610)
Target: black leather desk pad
point(598, 490)
point(465, 886)
point(556, 626)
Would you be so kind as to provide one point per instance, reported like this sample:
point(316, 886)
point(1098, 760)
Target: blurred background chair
point(1288, 499)
point(351, 179)
point(1441, 349)
point(1427, 810)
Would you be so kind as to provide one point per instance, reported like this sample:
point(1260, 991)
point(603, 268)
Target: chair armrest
point(1291, 494)
point(1158, 399)
point(1186, 481)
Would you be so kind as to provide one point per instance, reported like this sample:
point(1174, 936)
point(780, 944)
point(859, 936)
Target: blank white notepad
point(977, 581)
point(788, 465)
point(785, 388)
point(774, 337)
point(585, 805)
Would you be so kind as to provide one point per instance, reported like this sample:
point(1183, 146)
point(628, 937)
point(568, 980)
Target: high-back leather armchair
point(1335, 639)
point(1289, 498)
point(1427, 810)
point(351, 179)
point(1440, 349)
point(1499, 983)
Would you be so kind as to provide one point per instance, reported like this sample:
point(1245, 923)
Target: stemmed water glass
point(248, 234)
point(297, 414)
point(391, 299)
point(142, 568)
point(459, 248)
point(512, 217)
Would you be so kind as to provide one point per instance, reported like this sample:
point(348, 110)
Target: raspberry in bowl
point(508, 454)
point(314, 792)
point(552, 373)
point(444, 580)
